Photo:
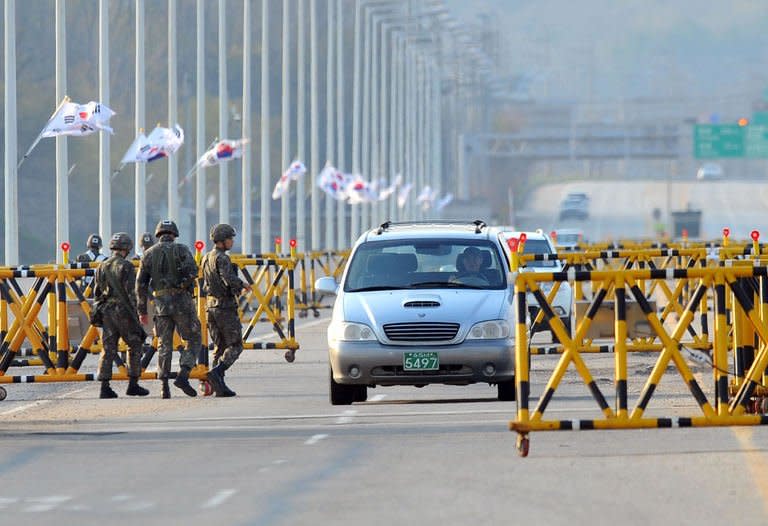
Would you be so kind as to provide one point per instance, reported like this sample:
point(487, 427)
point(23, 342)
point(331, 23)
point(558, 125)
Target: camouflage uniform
point(169, 268)
point(119, 317)
point(223, 287)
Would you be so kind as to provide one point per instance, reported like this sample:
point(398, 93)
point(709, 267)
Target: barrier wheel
point(205, 388)
point(316, 313)
point(764, 405)
point(290, 355)
point(523, 444)
point(3, 393)
point(302, 314)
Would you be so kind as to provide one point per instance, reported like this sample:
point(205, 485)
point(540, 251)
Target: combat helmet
point(121, 241)
point(222, 232)
point(94, 242)
point(147, 240)
point(166, 226)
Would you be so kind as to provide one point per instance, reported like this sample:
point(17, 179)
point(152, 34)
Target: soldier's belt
point(167, 292)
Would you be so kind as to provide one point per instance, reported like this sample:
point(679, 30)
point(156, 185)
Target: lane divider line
point(314, 439)
point(346, 417)
point(218, 499)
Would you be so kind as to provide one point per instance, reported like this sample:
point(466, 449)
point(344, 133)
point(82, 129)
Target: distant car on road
point(568, 238)
point(709, 171)
point(539, 243)
point(575, 205)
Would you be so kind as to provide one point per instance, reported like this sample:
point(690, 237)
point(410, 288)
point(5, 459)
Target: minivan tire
point(506, 391)
point(341, 394)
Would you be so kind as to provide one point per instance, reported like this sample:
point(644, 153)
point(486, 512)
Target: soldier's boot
point(182, 382)
point(106, 390)
point(166, 390)
point(216, 377)
point(134, 389)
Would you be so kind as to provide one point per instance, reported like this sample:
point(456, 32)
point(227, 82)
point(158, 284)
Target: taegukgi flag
point(161, 143)
point(360, 191)
point(292, 173)
point(402, 194)
point(78, 120)
point(222, 151)
point(333, 182)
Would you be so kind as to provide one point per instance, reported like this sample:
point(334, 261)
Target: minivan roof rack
point(479, 224)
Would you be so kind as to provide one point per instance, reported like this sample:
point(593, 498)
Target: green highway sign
point(718, 141)
point(711, 141)
point(756, 141)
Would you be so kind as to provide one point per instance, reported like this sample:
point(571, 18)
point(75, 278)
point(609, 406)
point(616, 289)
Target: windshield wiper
point(445, 284)
point(375, 288)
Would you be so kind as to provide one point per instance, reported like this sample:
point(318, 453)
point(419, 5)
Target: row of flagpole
point(396, 134)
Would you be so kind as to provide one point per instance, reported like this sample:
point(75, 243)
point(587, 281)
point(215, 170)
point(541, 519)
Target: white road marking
point(121, 498)
point(346, 417)
point(137, 506)
point(6, 501)
point(42, 402)
point(314, 439)
point(40, 504)
point(25, 407)
point(218, 499)
point(279, 461)
point(377, 398)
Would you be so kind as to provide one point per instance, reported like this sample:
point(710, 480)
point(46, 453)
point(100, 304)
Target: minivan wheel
point(341, 394)
point(506, 391)
point(361, 393)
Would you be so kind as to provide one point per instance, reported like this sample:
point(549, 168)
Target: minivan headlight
point(489, 330)
point(348, 331)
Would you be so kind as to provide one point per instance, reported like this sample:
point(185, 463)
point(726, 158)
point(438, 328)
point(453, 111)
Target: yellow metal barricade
point(726, 405)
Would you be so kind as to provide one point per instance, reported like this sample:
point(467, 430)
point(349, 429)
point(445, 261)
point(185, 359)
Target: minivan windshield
point(425, 264)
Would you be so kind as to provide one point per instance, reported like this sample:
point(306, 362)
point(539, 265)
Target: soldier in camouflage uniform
point(147, 240)
point(93, 254)
point(223, 286)
point(114, 292)
point(169, 269)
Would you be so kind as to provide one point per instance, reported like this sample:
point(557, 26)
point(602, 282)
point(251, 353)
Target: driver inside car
point(468, 265)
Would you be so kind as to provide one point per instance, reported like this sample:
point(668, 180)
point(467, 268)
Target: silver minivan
point(420, 304)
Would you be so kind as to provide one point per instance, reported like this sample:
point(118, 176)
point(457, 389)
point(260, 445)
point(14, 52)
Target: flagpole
point(341, 207)
point(173, 162)
point(200, 213)
point(266, 204)
point(223, 116)
point(196, 166)
point(330, 144)
point(301, 132)
point(314, 145)
point(40, 135)
point(285, 128)
point(62, 162)
point(11, 187)
point(140, 218)
point(353, 210)
point(245, 234)
point(105, 189)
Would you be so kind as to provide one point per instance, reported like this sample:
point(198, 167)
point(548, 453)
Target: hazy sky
point(607, 49)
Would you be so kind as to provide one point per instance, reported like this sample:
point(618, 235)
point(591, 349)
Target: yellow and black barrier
point(735, 393)
point(56, 287)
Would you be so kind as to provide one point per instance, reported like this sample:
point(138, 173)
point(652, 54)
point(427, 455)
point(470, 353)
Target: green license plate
point(421, 361)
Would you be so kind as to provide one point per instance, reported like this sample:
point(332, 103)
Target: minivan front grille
point(421, 304)
point(421, 331)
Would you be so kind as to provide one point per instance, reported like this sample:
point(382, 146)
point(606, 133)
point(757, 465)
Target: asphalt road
point(279, 453)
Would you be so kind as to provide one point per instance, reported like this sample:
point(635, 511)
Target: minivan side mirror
point(327, 285)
